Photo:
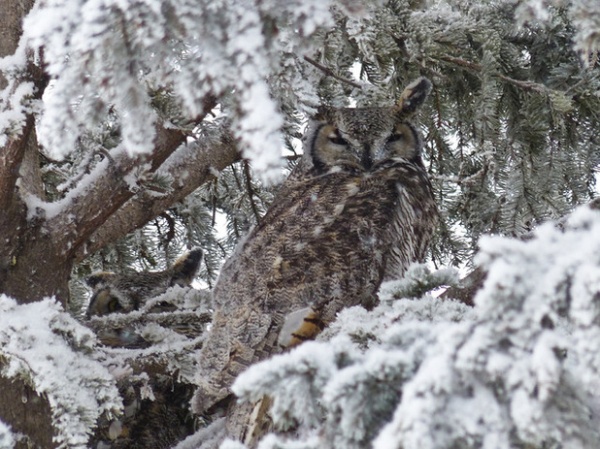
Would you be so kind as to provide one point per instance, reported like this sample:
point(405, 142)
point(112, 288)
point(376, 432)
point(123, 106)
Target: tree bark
point(41, 242)
point(201, 160)
point(42, 251)
point(27, 413)
point(10, 27)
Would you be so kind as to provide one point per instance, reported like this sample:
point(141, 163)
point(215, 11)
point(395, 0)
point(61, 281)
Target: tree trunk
point(27, 413)
point(39, 246)
point(20, 407)
point(38, 255)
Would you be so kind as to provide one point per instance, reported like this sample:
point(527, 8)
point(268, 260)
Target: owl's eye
point(395, 137)
point(113, 305)
point(337, 139)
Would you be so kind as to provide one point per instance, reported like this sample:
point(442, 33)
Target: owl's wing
point(313, 254)
point(232, 345)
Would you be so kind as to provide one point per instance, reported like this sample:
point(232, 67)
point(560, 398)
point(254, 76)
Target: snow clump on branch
point(520, 368)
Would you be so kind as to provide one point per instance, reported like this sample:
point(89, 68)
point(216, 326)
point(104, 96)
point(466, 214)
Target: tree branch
point(87, 209)
point(11, 21)
point(190, 166)
point(469, 286)
point(478, 68)
point(12, 155)
point(331, 73)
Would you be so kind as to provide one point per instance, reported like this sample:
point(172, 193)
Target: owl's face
point(366, 139)
point(114, 293)
point(126, 292)
point(362, 139)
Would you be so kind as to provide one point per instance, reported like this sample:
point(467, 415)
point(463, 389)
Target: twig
point(250, 189)
point(171, 224)
point(331, 73)
point(473, 66)
point(525, 85)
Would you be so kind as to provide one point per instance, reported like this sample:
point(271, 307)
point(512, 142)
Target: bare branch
point(200, 161)
point(10, 162)
point(331, 73)
point(475, 67)
point(85, 213)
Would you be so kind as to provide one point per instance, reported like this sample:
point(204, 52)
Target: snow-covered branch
point(521, 368)
point(45, 347)
point(190, 166)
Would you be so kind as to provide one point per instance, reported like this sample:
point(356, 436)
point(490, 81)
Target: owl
point(156, 402)
point(358, 209)
point(126, 292)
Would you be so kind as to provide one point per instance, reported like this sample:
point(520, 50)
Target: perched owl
point(126, 292)
point(156, 397)
point(359, 208)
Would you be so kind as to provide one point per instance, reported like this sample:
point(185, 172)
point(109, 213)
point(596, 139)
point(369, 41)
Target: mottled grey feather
point(358, 209)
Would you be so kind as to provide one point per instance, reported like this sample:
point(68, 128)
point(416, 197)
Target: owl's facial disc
point(334, 150)
point(103, 303)
point(403, 143)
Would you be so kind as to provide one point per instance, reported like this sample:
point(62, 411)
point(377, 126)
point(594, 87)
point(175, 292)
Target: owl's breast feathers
point(305, 250)
point(323, 246)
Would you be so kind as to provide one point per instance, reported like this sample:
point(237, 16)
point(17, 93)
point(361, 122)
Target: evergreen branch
point(171, 225)
point(236, 178)
point(525, 85)
point(463, 180)
point(331, 73)
point(478, 68)
point(207, 158)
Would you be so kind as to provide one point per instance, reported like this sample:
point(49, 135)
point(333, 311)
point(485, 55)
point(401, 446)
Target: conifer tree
point(131, 132)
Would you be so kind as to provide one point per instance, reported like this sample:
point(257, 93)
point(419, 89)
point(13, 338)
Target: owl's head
point(364, 139)
point(126, 292)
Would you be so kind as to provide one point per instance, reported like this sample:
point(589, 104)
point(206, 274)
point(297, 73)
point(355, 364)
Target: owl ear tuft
point(185, 268)
point(413, 96)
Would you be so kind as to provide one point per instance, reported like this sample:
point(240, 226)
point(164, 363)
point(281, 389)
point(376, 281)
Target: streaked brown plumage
point(357, 210)
point(126, 292)
point(156, 399)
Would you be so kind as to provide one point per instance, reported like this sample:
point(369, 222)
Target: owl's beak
point(366, 160)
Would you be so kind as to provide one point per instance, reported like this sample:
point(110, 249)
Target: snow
point(417, 280)
point(511, 344)
point(110, 55)
point(335, 378)
point(206, 438)
point(519, 368)
point(312, 365)
point(46, 347)
point(524, 362)
point(6, 438)
point(14, 106)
